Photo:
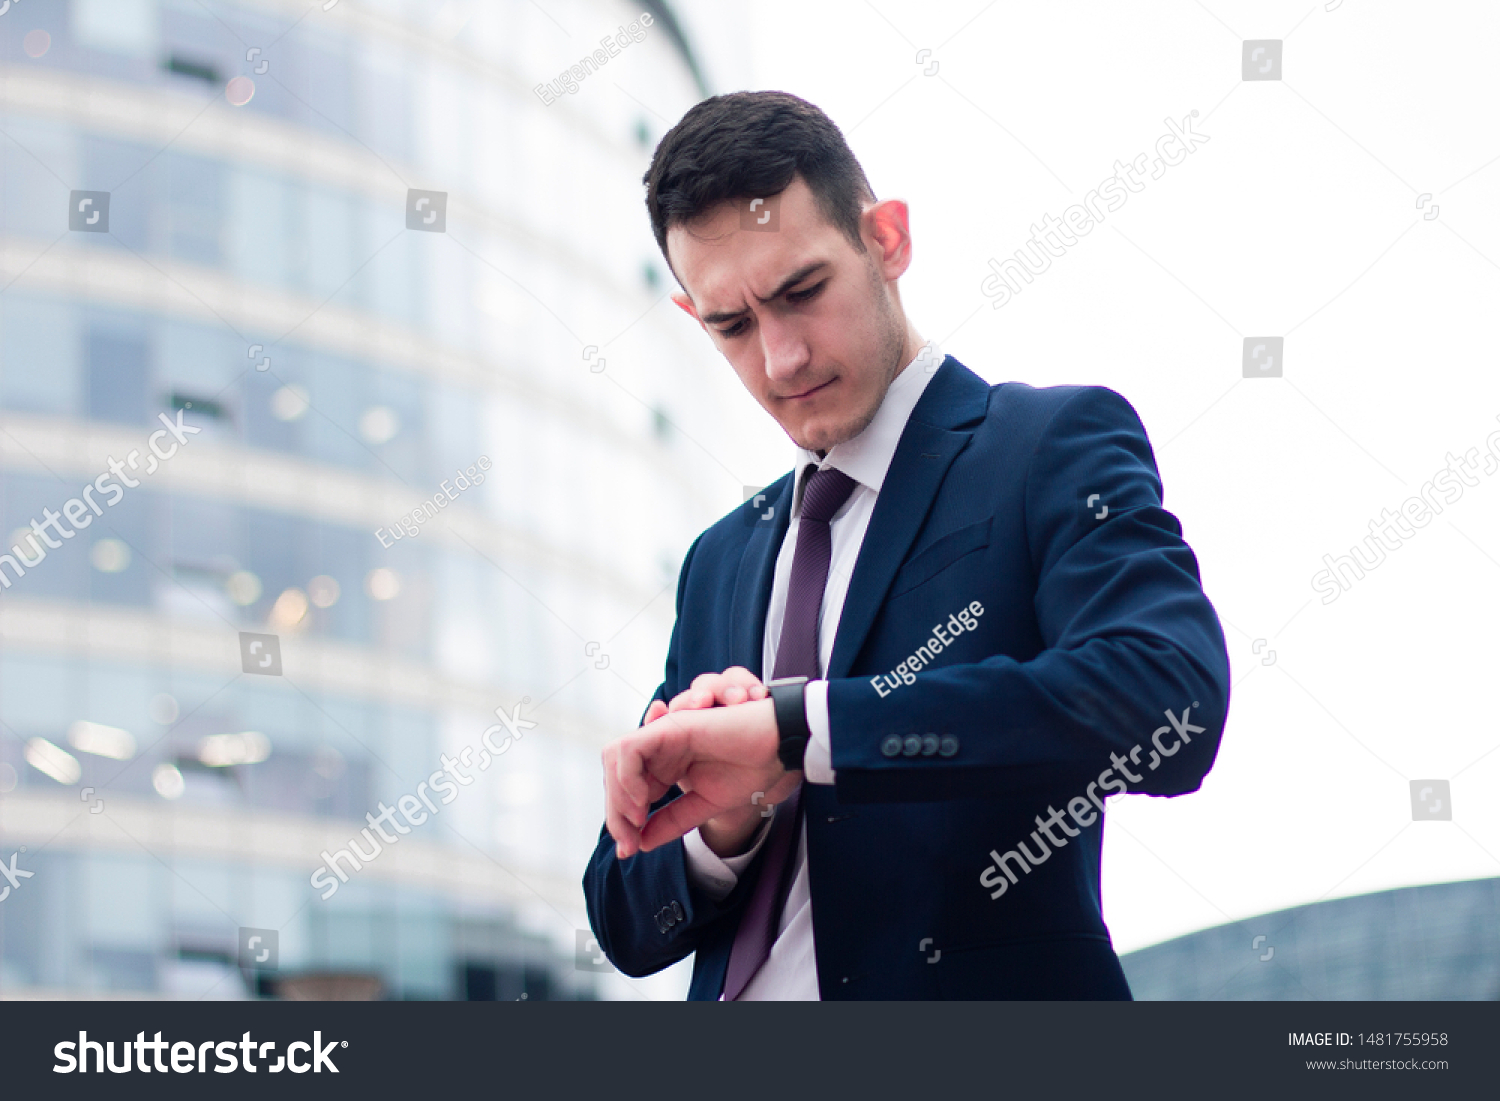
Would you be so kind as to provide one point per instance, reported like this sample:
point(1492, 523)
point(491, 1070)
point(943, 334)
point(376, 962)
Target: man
point(972, 603)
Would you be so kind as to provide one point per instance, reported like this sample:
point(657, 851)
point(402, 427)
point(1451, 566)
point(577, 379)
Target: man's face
point(813, 328)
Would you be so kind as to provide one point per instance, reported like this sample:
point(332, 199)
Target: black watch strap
point(787, 696)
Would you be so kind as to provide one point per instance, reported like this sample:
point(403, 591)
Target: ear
point(685, 304)
point(887, 232)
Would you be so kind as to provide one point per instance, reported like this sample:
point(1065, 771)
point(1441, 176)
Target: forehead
point(746, 246)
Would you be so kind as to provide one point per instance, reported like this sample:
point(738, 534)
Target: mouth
point(807, 394)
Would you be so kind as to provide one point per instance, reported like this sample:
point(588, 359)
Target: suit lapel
point(927, 448)
point(752, 585)
point(930, 442)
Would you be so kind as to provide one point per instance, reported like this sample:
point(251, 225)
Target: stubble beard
point(892, 340)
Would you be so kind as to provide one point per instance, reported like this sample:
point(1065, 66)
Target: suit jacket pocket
point(941, 554)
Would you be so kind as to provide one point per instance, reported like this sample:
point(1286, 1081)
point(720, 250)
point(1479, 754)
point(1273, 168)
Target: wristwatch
point(791, 720)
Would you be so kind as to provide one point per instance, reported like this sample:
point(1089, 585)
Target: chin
point(824, 436)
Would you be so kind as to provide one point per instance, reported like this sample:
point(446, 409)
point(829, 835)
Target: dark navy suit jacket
point(1043, 505)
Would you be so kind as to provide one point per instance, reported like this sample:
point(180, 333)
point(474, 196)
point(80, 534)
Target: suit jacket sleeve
point(1129, 636)
point(646, 913)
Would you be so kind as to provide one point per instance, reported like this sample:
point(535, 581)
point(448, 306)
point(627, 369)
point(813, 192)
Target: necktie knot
point(825, 493)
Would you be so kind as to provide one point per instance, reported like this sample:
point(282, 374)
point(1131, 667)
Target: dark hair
point(751, 144)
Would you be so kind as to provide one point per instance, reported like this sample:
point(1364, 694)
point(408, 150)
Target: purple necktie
point(823, 494)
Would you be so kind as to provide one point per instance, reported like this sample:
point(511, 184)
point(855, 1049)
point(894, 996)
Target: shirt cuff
point(717, 875)
point(817, 758)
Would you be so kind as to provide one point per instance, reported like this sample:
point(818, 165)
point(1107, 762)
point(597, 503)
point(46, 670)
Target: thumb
point(675, 819)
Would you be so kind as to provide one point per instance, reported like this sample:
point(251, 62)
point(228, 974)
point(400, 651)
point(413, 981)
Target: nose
point(784, 349)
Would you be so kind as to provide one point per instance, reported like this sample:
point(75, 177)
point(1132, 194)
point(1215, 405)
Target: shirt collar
point(867, 457)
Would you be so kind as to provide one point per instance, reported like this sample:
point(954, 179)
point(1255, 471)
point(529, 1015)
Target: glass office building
point(1435, 942)
point(331, 327)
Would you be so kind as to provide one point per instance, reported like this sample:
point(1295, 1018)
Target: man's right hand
point(732, 832)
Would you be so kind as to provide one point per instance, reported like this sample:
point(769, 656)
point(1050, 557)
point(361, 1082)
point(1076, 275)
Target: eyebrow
point(786, 284)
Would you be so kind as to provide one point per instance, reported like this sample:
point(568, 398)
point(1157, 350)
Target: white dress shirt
point(790, 973)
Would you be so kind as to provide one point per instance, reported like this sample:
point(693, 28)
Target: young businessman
point(963, 609)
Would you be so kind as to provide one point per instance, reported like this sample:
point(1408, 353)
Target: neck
point(911, 344)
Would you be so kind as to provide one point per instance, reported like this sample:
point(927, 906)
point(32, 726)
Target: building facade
point(325, 324)
point(1438, 942)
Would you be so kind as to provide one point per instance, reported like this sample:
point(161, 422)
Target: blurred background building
point(1435, 942)
point(258, 276)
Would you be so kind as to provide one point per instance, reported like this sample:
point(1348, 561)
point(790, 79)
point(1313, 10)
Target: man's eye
point(734, 330)
point(806, 295)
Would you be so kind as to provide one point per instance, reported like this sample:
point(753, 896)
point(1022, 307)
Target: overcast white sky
point(1299, 218)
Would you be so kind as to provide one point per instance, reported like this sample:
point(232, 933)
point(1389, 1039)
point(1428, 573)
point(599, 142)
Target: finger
point(675, 819)
point(626, 838)
point(655, 790)
point(735, 685)
point(698, 694)
point(704, 691)
point(620, 828)
point(738, 685)
point(626, 835)
point(691, 699)
point(657, 709)
point(632, 773)
point(653, 759)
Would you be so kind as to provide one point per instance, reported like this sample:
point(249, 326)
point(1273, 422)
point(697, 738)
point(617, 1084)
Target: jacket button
point(929, 744)
point(947, 745)
point(891, 746)
point(911, 745)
